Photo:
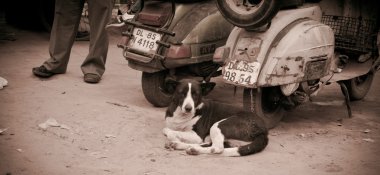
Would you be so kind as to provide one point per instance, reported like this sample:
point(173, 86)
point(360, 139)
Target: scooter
point(170, 40)
point(284, 54)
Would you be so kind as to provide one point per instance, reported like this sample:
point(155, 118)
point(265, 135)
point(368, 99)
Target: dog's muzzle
point(188, 108)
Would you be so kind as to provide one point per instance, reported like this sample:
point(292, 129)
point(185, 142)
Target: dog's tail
point(257, 145)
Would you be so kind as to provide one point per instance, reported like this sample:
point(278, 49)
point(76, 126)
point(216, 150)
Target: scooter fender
point(288, 51)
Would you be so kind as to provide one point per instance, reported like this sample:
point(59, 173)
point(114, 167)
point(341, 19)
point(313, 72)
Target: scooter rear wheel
point(153, 86)
point(266, 103)
point(358, 87)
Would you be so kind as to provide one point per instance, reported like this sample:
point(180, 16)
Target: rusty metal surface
point(302, 54)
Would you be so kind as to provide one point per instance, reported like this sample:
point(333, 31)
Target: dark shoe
point(42, 72)
point(91, 78)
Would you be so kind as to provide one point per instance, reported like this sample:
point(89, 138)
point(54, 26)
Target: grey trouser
point(65, 27)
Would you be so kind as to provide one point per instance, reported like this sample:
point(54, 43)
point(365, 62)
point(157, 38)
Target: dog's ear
point(171, 85)
point(207, 87)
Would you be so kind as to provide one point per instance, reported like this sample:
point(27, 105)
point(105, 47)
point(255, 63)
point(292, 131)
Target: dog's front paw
point(192, 151)
point(165, 131)
point(170, 145)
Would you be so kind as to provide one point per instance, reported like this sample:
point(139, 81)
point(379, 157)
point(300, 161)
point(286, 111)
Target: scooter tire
point(258, 102)
point(358, 87)
point(153, 87)
point(257, 17)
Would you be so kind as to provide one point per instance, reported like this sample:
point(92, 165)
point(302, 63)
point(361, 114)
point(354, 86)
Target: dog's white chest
point(181, 121)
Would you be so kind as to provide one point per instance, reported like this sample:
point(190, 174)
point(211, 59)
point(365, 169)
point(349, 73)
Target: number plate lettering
point(241, 72)
point(144, 40)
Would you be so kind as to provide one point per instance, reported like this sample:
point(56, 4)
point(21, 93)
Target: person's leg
point(65, 27)
point(99, 15)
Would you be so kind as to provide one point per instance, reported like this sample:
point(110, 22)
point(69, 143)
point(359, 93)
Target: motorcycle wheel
point(249, 15)
point(153, 86)
point(358, 87)
point(265, 102)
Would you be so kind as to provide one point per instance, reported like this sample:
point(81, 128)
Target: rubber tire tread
point(358, 92)
point(262, 16)
point(152, 87)
point(270, 119)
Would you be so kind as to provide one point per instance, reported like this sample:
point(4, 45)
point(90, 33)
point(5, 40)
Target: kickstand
point(347, 97)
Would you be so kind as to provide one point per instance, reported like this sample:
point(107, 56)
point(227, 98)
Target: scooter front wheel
point(153, 86)
point(266, 103)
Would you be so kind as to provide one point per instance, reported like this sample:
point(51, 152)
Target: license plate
point(144, 40)
point(241, 72)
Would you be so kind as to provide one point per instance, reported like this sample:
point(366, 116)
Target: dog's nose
point(188, 108)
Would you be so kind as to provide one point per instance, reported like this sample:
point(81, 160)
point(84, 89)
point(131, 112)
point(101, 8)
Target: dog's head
point(188, 95)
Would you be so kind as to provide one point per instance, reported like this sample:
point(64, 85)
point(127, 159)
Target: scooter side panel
point(207, 35)
point(304, 53)
point(187, 16)
point(210, 29)
point(207, 30)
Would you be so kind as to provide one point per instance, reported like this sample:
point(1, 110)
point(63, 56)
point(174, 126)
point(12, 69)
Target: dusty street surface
point(109, 128)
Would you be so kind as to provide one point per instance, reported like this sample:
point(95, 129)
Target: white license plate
point(144, 40)
point(241, 72)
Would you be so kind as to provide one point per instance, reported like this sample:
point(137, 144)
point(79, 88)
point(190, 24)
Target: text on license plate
point(144, 40)
point(241, 72)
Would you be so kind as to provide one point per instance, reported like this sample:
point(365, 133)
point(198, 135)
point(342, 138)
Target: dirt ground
point(109, 128)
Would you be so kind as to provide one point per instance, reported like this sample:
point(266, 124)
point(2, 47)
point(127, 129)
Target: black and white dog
point(202, 127)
